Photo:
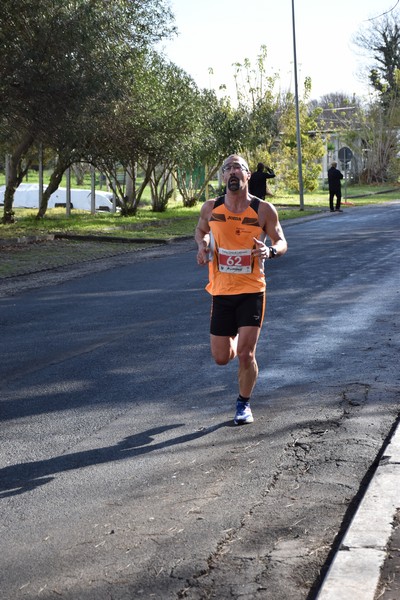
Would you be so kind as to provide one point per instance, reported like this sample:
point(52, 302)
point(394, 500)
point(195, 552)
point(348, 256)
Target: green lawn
point(176, 220)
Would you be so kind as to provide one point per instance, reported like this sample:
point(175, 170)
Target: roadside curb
point(106, 238)
point(27, 239)
point(356, 568)
point(89, 238)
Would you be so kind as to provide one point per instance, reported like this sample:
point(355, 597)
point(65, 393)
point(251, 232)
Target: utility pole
point(296, 92)
point(40, 175)
point(92, 190)
point(68, 192)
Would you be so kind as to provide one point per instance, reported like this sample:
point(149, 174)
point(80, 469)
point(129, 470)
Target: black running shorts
point(228, 313)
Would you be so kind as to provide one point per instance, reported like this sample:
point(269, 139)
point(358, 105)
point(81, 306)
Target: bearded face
point(235, 173)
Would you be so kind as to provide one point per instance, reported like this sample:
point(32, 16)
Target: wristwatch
point(272, 252)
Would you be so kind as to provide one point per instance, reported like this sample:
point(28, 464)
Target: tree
point(220, 130)
point(339, 122)
point(172, 121)
point(149, 129)
point(379, 143)
point(60, 57)
point(256, 98)
point(380, 39)
point(335, 100)
point(312, 146)
point(263, 126)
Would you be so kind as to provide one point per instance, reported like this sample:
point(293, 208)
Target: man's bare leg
point(223, 348)
point(248, 368)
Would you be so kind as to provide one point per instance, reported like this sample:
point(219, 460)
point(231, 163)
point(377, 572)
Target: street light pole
point(296, 93)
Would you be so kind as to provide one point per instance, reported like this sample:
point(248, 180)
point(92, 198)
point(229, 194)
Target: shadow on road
point(17, 479)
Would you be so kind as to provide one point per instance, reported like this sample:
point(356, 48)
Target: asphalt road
point(121, 474)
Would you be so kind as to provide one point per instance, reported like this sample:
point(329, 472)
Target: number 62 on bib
point(234, 261)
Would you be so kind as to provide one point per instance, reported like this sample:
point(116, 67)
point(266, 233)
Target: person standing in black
point(335, 186)
point(258, 181)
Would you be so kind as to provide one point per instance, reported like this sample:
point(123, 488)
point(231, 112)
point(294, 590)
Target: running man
point(231, 235)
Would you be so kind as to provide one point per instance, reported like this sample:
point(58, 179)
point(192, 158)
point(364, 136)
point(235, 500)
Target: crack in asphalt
point(302, 552)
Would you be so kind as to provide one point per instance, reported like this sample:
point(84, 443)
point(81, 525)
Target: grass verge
point(176, 221)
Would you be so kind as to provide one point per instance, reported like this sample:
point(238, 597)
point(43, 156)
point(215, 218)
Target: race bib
point(234, 261)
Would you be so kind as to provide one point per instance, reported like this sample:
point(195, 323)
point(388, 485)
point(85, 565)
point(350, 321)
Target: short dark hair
point(260, 167)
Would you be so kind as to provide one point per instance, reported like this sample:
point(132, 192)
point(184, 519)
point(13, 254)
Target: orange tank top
point(232, 268)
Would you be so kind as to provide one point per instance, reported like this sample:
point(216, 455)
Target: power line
point(385, 13)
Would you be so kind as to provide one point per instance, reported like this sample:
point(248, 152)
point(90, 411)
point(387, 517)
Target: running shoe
point(243, 413)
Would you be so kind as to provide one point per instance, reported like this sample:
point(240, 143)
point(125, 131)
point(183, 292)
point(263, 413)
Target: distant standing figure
point(258, 181)
point(335, 186)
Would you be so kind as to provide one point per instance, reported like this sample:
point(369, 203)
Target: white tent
point(27, 196)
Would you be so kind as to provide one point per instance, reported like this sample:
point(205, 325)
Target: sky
point(214, 34)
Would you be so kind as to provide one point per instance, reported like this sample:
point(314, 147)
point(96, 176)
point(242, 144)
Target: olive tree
point(147, 130)
point(172, 119)
point(61, 58)
point(220, 130)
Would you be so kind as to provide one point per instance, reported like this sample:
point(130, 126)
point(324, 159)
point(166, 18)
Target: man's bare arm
point(202, 234)
point(272, 227)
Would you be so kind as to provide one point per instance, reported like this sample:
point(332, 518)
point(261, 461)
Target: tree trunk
point(55, 180)
point(15, 176)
